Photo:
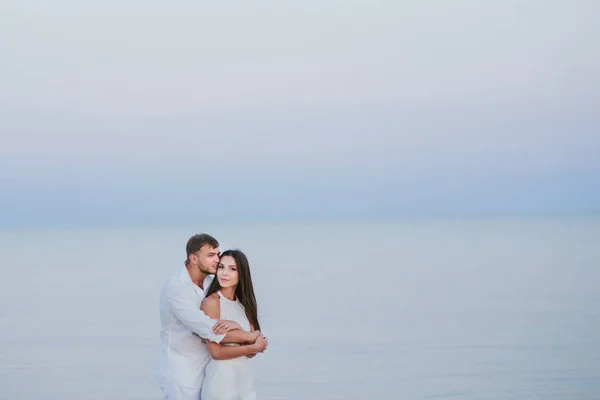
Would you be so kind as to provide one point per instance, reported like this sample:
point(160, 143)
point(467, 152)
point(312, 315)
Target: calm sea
point(475, 309)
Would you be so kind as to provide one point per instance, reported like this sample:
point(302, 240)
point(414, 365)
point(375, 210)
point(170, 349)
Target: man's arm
point(239, 336)
point(183, 305)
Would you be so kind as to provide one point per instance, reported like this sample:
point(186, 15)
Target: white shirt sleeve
point(183, 305)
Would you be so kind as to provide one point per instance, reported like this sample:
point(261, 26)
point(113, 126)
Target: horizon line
point(179, 224)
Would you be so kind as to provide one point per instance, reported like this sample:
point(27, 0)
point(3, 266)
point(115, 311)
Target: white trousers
point(173, 391)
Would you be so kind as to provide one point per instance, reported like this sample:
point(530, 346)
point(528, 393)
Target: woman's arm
point(252, 330)
point(212, 308)
point(220, 352)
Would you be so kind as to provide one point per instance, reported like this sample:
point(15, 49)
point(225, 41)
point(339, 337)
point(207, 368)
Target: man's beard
point(205, 270)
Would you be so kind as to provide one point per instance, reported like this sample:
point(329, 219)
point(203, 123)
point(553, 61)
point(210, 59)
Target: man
point(184, 354)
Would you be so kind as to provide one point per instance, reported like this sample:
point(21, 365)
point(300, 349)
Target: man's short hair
point(197, 241)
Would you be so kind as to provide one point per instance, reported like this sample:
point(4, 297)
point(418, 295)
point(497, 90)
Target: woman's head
point(233, 271)
point(228, 274)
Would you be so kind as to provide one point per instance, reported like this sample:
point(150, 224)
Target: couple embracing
point(209, 326)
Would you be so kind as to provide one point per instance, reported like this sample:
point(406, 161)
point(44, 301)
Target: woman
point(231, 297)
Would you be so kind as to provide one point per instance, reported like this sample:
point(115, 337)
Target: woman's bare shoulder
point(211, 299)
point(211, 305)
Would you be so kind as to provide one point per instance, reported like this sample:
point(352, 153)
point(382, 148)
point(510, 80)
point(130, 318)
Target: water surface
point(476, 309)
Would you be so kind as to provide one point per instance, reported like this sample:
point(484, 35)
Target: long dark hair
point(244, 290)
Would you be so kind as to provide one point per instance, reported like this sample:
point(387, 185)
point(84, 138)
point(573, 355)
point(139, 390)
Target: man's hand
point(223, 326)
point(260, 344)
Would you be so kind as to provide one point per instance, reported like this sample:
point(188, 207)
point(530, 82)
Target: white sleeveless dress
point(230, 379)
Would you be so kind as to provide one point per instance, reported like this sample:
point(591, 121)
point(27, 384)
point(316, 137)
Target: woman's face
point(227, 272)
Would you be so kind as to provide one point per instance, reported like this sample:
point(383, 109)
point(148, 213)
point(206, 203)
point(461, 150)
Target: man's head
point(203, 253)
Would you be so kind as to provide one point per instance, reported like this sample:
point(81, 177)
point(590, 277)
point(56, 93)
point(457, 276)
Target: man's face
point(207, 259)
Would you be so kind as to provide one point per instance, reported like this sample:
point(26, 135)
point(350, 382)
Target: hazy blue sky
point(127, 111)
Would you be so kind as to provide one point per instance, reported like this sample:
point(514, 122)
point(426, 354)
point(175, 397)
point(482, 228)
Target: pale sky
point(128, 111)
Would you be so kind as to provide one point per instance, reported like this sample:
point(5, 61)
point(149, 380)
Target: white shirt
point(184, 355)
